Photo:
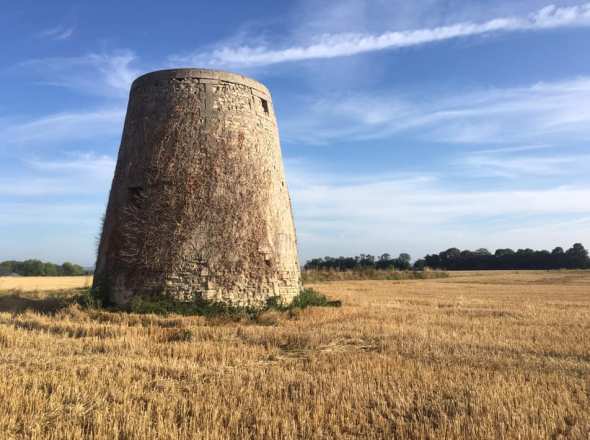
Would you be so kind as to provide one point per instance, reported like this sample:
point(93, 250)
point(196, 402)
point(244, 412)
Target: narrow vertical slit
point(264, 105)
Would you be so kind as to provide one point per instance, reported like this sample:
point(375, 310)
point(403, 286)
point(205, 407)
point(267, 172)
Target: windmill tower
point(199, 204)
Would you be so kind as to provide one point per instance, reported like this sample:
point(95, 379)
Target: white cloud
point(52, 207)
point(87, 163)
point(82, 172)
point(103, 74)
point(519, 149)
point(43, 214)
point(419, 214)
point(493, 164)
point(57, 231)
point(422, 201)
point(542, 112)
point(75, 174)
point(347, 44)
point(62, 127)
point(57, 33)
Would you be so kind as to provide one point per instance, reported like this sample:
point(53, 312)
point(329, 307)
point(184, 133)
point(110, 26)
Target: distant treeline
point(455, 259)
point(575, 257)
point(363, 261)
point(37, 268)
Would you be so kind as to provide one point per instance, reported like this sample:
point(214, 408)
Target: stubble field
point(476, 355)
point(43, 284)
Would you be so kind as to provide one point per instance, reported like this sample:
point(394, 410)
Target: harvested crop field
point(36, 284)
point(476, 355)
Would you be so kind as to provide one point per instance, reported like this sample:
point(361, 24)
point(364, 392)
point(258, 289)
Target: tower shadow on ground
point(14, 302)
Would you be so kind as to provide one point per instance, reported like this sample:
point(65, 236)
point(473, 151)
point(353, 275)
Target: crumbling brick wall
point(199, 203)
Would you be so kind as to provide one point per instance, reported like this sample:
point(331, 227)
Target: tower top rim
point(198, 73)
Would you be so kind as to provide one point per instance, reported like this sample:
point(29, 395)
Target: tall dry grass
point(478, 356)
point(319, 276)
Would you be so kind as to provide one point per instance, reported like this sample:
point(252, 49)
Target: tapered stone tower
point(199, 206)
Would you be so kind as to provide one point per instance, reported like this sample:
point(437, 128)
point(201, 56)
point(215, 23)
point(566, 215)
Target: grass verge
point(162, 305)
point(320, 276)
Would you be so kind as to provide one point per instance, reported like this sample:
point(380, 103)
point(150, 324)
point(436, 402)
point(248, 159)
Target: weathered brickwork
point(199, 203)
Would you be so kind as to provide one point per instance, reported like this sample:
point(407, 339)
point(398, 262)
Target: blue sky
point(406, 126)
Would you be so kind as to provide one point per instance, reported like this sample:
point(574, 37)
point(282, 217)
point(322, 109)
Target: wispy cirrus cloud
point(84, 173)
point(59, 32)
point(519, 166)
point(100, 166)
point(70, 174)
point(535, 113)
point(102, 74)
point(423, 199)
point(421, 212)
point(63, 193)
point(518, 149)
point(524, 162)
point(348, 44)
point(62, 127)
point(59, 230)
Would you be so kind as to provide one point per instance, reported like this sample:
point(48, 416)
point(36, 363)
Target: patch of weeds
point(162, 305)
point(276, 308)
point(312, 298)
point(275, 303)
point(429, 274)
point(88, 300)
point(98, 296)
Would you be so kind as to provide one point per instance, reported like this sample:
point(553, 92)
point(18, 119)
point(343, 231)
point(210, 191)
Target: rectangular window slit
point(264, 105)
point(135, 196)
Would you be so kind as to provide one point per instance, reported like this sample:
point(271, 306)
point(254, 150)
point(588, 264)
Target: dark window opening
point(264, 105)
point(135, 196)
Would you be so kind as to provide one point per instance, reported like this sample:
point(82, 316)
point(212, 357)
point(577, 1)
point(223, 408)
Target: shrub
point(312, 298)
point(99, 295)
